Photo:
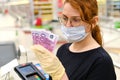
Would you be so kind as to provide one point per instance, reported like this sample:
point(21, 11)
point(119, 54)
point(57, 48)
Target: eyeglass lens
point(74, 20)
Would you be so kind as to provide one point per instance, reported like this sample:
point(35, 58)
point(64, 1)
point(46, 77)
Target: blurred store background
point(19, 17)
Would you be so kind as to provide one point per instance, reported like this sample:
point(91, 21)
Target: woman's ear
point(95, 20)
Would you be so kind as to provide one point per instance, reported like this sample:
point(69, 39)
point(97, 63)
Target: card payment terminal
point(28, 71)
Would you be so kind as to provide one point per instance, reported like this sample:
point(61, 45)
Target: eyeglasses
point(74, 21)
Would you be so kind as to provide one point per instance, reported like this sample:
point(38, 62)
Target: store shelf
point(44, 8)
point(113, 8)
point(116, 5)
point(18, 2)
point(42, 2)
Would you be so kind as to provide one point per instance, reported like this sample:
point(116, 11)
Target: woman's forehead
point(69, 10)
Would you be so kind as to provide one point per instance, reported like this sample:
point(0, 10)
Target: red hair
point(88, 10)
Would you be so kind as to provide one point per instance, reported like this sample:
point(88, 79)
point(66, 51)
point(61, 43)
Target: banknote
point(45, 38)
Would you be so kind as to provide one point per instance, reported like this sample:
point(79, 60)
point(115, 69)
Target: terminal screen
point(26, 70)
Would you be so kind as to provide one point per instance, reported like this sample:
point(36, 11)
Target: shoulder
point(63, 48)
point(102, 67)
point(104, 55)
point(103, 59)
point(97, 58)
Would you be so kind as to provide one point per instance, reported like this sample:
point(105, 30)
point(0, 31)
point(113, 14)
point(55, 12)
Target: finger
point(41, 48)
point(40, 53)
point(38, 48)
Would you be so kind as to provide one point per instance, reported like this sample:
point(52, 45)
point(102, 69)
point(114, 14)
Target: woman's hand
point(49, 62)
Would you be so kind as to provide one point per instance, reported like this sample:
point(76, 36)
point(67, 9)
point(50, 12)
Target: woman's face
point(71, 17)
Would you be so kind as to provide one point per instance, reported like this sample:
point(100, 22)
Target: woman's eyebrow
point(64, 15)
point(71, 16)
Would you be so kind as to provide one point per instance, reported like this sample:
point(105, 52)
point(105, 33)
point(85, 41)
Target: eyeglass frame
point(71, 20)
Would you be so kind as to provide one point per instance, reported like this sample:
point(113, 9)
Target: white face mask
point(74, 34)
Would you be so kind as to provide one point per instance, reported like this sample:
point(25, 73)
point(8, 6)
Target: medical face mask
point(74, 34)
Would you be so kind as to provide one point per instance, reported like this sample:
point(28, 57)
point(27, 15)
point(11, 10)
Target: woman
point(83, 58)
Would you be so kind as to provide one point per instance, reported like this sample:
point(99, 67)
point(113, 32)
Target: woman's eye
point(76, 20)
point(65, 19)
